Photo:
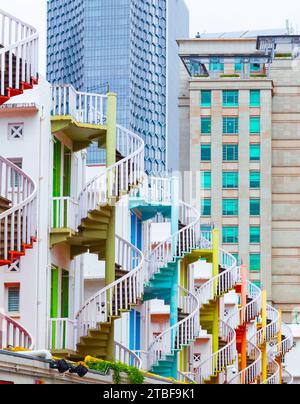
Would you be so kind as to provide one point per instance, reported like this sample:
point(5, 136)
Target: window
point(254, 234)
point(255, 263)
point(255, 67)
point(230, 126)
point(13, 299)
point(230, 152)
point(216, 66)
point(230, 180)
point(255, 98)
point(255, 125)
point(255, 152)
point(230, 207)
point(230, 98)
point(206, 207)
point(205, 152)
point(257, 283)
point(254, 207)
point(205, 180)
point(254, 179)
point(15, 131)
point(206, 98)
point(206, 126)
point(230, 235)
point(238, 67)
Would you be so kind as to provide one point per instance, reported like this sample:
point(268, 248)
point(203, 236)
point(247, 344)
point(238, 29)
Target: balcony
point(64, 219)
point(80, 116)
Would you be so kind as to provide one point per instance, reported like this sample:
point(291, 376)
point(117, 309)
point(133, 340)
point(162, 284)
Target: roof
point(244, 34)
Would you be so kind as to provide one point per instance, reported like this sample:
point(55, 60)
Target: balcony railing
point(62, 334)
point(85, 108)
point(64, 213)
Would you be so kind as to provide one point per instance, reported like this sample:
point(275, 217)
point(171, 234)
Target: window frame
point(235, 122)
point(207, 120)
point(234, 95)
point(234, 174)
point(235, 235)
point(235, 153)
point(234, 212)
point(202, 148)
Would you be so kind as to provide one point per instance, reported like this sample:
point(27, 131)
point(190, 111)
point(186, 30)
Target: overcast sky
point(206, 16)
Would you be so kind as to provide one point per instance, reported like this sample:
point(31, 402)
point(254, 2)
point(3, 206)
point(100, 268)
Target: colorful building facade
point(166, 299)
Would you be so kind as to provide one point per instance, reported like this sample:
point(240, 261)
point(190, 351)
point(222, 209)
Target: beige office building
point(240, 126)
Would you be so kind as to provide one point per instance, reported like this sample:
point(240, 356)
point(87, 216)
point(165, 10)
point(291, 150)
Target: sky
point(206, 16)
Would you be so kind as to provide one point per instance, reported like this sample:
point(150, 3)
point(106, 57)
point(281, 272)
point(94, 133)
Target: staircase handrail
point(21, 337)
point(20, 40)
point(95, 309)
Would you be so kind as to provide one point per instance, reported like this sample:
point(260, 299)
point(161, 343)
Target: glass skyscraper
point(128, 47)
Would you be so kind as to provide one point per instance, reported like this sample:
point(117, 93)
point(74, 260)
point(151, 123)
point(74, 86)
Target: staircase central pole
point(111, 146)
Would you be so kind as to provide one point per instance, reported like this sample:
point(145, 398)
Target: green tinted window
point(254, 179)
point(230, 126)
point(206, 180)
point(255, 98)
point(255, 207)
point(255, 152)
point(230, 235)
point(255, 125)
point(206, 126)
point(254, 234)
point(206, 207)
point(230, 207)
point(230, 180)
point(205, 152)
point(230, 98)
point(205, 98)
point(255, 263)
point(230, 152)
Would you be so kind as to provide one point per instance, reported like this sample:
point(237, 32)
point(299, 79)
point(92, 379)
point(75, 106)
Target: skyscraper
point(130, 47)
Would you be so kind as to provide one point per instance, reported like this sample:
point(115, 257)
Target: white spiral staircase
point(18, 230)
point(18, 56)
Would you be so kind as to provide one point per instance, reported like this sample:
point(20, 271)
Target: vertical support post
point(264, 350)
point(279, 341)
point(244, 290)
point(174, 211)
point(111, 145)
point(215, 273)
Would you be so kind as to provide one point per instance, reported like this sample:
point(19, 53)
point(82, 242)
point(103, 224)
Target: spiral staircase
point(18, 195)
point(18, 57)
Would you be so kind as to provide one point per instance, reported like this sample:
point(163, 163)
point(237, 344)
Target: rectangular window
point(254, 179)
point(238, 67)
point(257, 283)
point(255, 67)
point(255, 98)
point(230, 180)
point(13, 300)
point(216, 65)
point(255, 125)
point(230, 126)
point(230, 235)
point(230, 152)
point(205, 152)
point(205, 180)
point(254, 235)
point(206, 126)
point(255, 152)
point(254, 207)
point(206, 98)
point(230, 98)
point(230, 207)
point(206, 207)
point(255, 263)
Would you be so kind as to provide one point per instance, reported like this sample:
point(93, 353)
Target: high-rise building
point(128, 47)
point(239, 109)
